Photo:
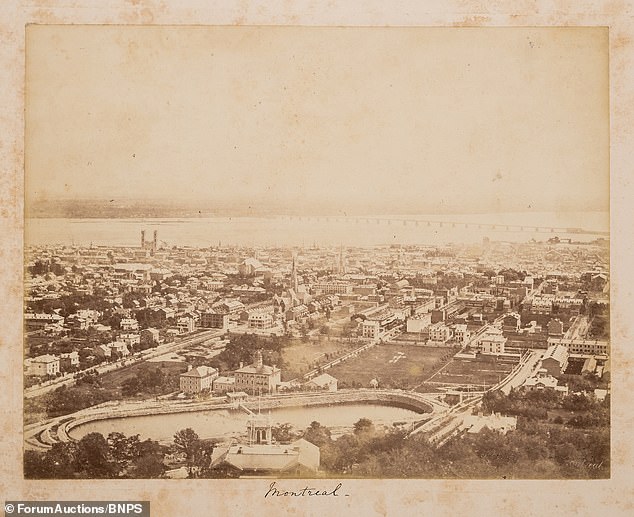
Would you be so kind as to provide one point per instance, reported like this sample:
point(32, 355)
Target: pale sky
point(409, 118)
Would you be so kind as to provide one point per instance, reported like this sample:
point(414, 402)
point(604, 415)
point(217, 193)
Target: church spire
point(342, 261)
point(294, 282)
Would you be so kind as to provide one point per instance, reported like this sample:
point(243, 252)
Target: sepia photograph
point(310, 252)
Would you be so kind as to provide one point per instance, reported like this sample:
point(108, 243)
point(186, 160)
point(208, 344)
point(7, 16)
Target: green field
point(113, 380)
point(394, 366)
point(484, 370)
point(301, 357)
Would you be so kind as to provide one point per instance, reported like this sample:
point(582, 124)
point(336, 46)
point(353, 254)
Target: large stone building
point(39, 321)
point(198, 379)
point(185, 325)
point(43, 365)
point(370, 329)
point(493, 342)
point(214, 320)
point(555, 328)
point(439, 334)
point(261, 321)
point(150, 337)
point(555, 359)
point(257, 378)
point(582, 346)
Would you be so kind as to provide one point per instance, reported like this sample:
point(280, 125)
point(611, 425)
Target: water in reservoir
point(223, 423)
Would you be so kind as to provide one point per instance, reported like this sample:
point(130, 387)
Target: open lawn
point(301, 357)
point(394, 366)
point(484, 370)
point(114, 379)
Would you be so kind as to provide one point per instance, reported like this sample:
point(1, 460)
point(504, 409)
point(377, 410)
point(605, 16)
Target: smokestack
point(155, 243)
point(142, 239)
point(258, 359)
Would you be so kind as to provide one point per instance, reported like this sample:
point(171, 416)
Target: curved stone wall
point(48, 435)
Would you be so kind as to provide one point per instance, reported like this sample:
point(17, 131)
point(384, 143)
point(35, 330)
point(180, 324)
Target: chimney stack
point(258, 359)
point(142, 239)
point(155, 242)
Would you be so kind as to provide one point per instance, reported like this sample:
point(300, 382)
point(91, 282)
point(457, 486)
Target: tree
point(348, 329)
point(284, 433)
point(317, 434)
point(35, 465)
point(65, 400)
point(136, 458)
point(130, 387)
point(123, 450)
point(202, 460)
point(149, 461)
point(93, 457)
point(148, 466)
point(59, 462)
point(303, 332)
point(363, 426)
point(346, 454)
point(188, 442)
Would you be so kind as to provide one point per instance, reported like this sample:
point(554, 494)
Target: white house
point(492, 342)
point(43, 365)
point(322, 382)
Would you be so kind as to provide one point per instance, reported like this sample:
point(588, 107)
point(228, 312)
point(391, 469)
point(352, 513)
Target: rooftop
point(262, 370)
point(199, 372)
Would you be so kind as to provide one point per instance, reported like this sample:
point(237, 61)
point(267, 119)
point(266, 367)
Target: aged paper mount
point(366, 497)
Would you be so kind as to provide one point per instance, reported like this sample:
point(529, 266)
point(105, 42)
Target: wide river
point(280, 231)
point(222, 423)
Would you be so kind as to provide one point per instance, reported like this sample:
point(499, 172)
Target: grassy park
point(393, 366)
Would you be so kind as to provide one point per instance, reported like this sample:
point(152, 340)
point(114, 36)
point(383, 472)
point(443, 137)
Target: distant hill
point(144, 208)
point(104, 209)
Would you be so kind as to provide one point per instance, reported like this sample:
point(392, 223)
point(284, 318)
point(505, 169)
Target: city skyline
point(504, 347)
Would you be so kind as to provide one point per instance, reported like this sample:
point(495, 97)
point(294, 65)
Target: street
point(69, 379)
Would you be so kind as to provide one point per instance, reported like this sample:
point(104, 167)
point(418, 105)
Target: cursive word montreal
point(274, 491)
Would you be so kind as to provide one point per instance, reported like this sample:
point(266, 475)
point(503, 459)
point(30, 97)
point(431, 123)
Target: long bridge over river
point(448, 223)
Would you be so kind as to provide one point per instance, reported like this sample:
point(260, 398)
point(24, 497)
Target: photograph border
point(363, 497)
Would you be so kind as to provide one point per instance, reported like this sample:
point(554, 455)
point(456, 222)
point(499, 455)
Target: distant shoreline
point(150, 209)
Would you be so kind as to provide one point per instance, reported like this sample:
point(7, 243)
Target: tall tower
point(294, 282)
point(155, 242)
point(342, 261)
point(258, 359)
point(142, 239)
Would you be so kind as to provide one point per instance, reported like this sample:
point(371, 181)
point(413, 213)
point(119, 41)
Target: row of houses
point(51, 364)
